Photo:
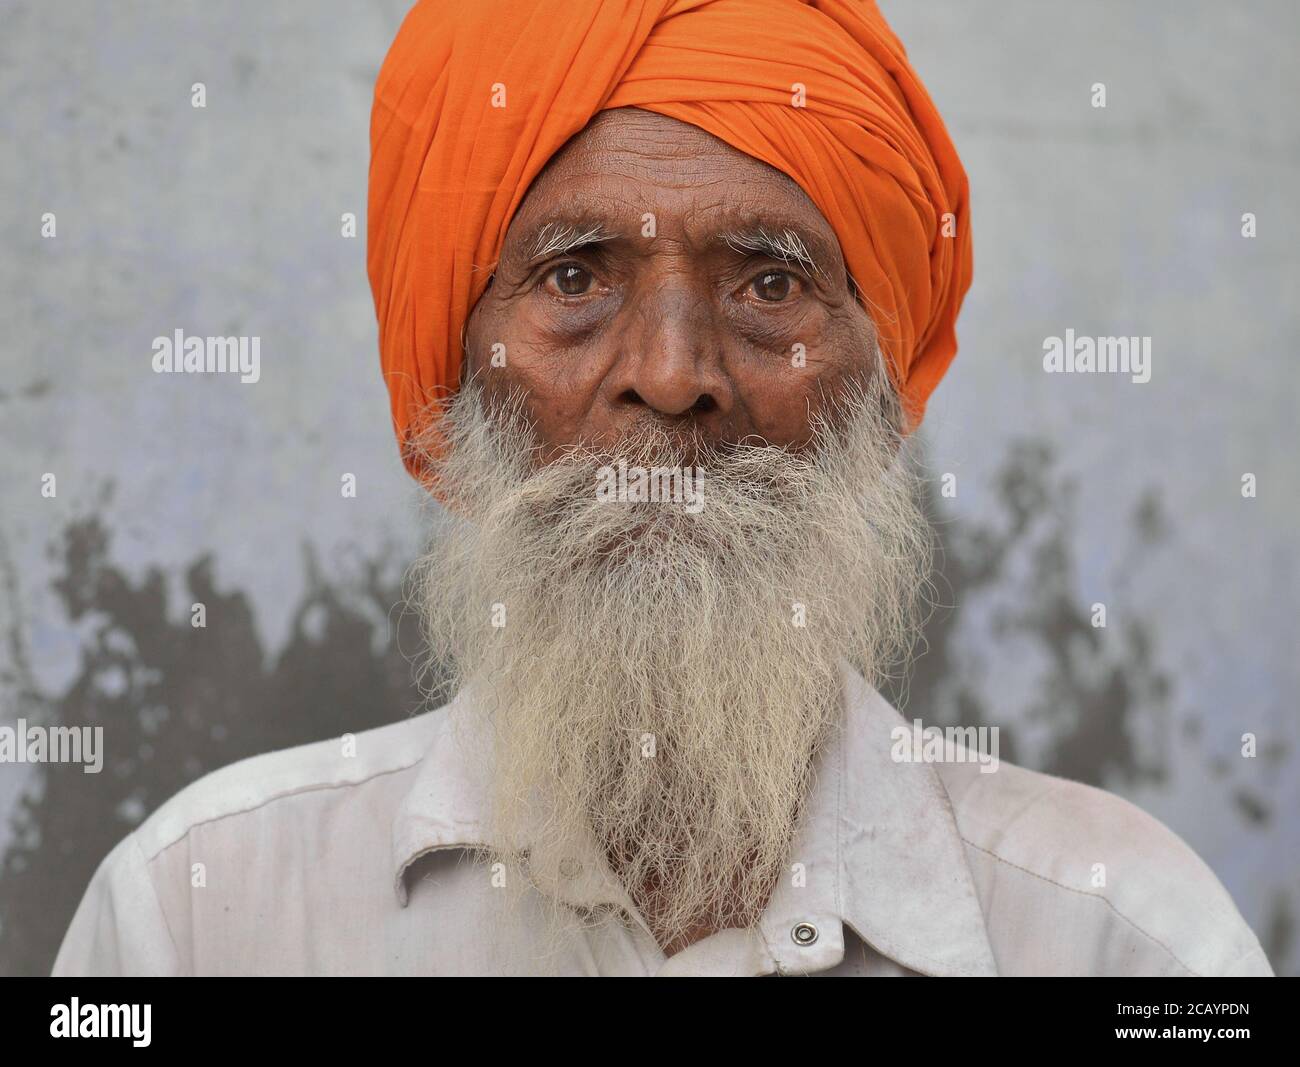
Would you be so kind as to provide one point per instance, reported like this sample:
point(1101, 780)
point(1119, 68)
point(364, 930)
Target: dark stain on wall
point(176, 702)
point(1102, 701)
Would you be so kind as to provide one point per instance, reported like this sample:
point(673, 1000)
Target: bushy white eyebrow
point(785, 245)
point(557, 238)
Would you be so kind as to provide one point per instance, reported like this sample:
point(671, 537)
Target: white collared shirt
point(312, 861)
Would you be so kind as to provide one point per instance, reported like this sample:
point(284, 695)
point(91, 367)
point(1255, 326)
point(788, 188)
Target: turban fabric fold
point(819, 89)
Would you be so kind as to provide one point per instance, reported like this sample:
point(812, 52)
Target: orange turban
point(820, 89)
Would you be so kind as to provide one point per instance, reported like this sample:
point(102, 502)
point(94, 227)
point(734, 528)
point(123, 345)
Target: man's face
point(717, 631)
point(702, 326)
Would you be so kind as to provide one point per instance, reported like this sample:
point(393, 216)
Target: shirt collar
point(877, 848)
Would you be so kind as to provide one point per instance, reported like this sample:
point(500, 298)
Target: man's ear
point(467, 366)
point(465, 358)
point(893, 413)
point(889, 414)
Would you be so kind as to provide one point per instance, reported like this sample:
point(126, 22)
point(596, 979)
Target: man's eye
point(570, 279)
point(773, 286)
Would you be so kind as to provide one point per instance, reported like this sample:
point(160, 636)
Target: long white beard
point(711, 640)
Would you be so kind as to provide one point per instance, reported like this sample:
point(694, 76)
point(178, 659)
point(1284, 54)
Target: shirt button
point(804, 934)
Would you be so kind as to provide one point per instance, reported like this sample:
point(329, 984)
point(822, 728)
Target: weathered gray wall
point(1071, 490)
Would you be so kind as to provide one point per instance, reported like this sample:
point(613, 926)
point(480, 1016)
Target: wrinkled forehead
point(634, 173)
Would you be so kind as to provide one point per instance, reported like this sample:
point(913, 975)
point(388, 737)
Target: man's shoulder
point(1047, 821)
point(1108, 864)
point(251, 784)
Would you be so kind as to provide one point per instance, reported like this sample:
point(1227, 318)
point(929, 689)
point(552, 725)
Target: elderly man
point(662, 288)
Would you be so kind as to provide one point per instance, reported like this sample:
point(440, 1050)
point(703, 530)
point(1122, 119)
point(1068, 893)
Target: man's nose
point(669, 357)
